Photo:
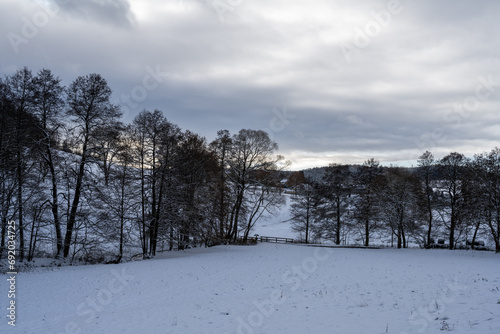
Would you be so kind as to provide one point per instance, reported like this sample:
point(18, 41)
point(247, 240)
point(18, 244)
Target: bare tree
point(195, 169)
point(47, 105)
point(252, 151)
point(20, 93)
point(401, 203)
point(114, 201)
point(156, 144)
point(221, 148)
point(302, 209)
point(366, 200)
point(141, 154)
point(89, 109)
point(7, 159)
point(487, 169)
point(335, 197)
point(426, 165)
point(452, 166)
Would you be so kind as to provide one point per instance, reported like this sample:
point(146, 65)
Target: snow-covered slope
point(277, 225)
point(267, 288)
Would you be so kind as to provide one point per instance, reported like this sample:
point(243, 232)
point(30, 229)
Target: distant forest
point(80, 185)
point(453, 202)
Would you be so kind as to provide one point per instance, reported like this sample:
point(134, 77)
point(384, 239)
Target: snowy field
point(268, 289)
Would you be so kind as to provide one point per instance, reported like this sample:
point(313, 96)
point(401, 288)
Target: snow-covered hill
point(267, 288)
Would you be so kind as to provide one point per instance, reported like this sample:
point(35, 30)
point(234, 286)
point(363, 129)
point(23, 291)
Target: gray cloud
point(394, 99)
point(116, 12)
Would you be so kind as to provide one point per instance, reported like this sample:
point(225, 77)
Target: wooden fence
point(277, 240)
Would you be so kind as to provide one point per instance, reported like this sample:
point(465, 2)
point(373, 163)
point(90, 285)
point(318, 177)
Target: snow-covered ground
point(277, 225)
point(269, 289)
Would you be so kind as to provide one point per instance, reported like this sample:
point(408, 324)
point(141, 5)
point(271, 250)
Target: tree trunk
point(222, 195)
point(429, 231)
point(403, 237)
point(453, 218)
point(229, 233)
point(367, 233)
point(307, 221)
point(452, 226)
point(239, 202)
point(20, 201)
point(122, 213)
point(143, 203)
point(76, 200)
point(338, 228)
point(152, 225)
point(497, 238)
point(157, 214)
point(429, 192)
point(55, 204)
point(495, 232)
point(474, 236)
point(34, 235)
point(171, 241)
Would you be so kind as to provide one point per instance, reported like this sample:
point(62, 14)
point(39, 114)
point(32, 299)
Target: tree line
point(454, 198)
point(81, 184)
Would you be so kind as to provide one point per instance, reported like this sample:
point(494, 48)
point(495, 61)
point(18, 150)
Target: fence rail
point(277, 240)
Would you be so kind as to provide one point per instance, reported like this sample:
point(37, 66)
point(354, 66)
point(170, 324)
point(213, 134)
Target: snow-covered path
point(267, 289)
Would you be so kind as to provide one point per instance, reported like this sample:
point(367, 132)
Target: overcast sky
point(330, 80)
